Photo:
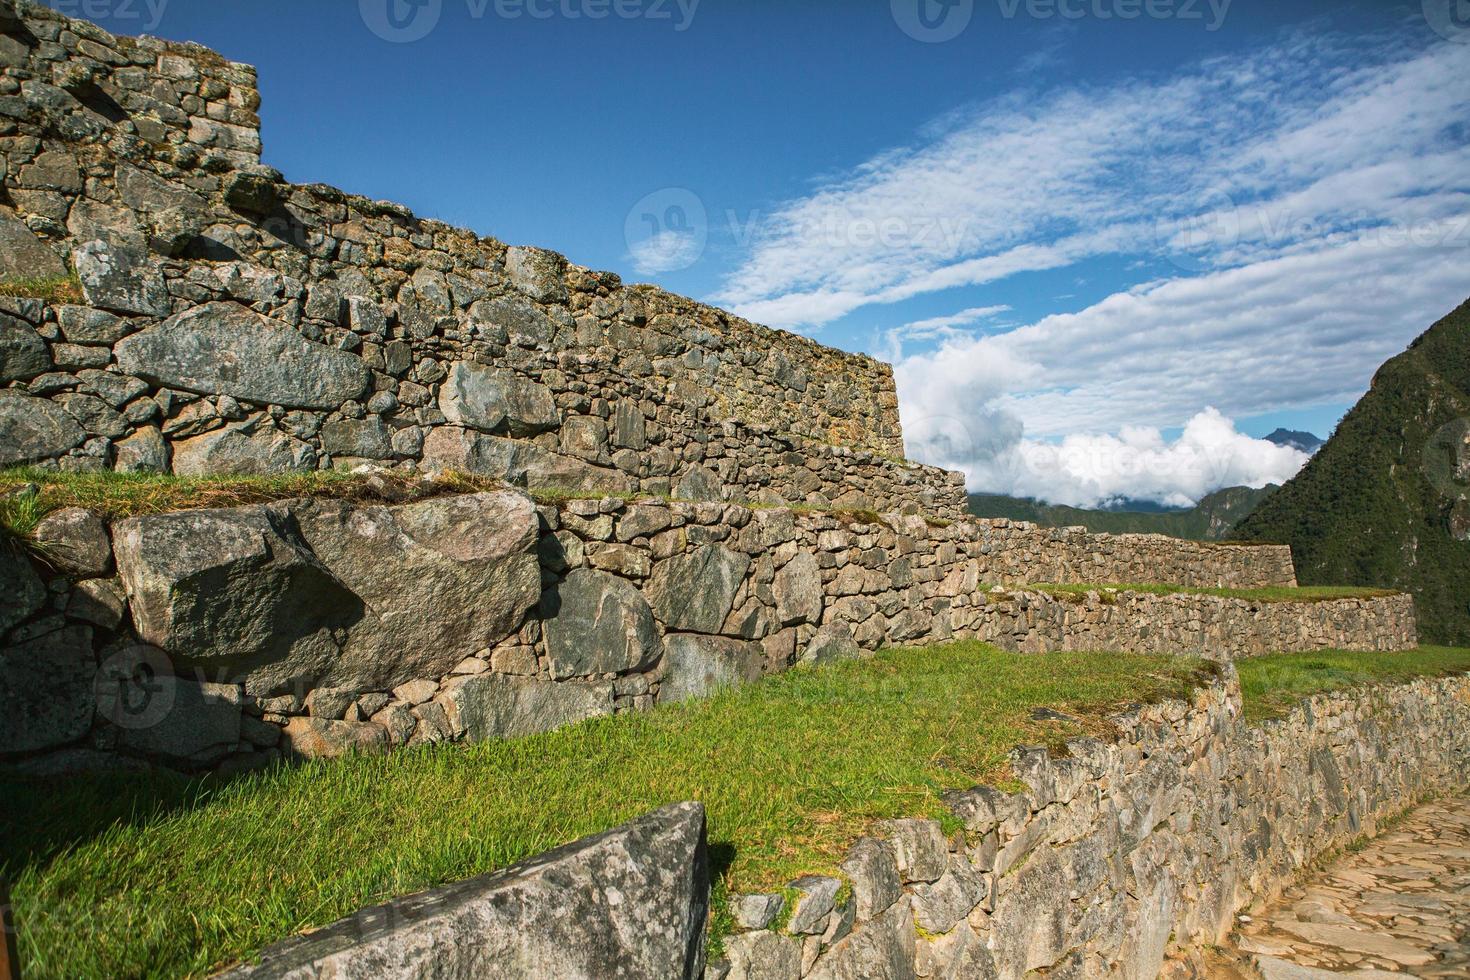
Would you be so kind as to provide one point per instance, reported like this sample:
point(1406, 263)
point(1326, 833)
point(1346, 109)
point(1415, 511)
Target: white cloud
point(666, 251)
point(1093, 470)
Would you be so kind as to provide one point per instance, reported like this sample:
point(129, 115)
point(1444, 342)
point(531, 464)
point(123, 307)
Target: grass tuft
point(52, 289)
point(1273, 685)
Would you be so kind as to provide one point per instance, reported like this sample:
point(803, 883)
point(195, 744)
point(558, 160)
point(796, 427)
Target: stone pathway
point(1400, 906)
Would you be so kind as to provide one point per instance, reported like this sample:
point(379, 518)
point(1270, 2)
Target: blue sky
point(1103, 250)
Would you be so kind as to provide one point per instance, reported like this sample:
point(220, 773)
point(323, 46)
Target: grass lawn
point(143, 876)
point(1305, 593)
point(1273, 685)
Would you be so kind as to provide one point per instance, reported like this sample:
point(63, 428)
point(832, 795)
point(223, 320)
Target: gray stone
point(881, 950)
point(23, 255)
point(239, 451)
point(513, 319)
point(252, 193)
point(23, 353)
point(695, 592)
point(598, 623)
point(632, 902)
point(235, 590)
point(46, 695)
point(630, 428)
point(142, 452)
point(227, 349)
point(940, 905)
point(359, 438)
point(33, 430)
point(699, 485)
point(23, 594)
point(696, 666)
point(832, 642)
point(98, 601)
point(496, 400)
point(95, 415)
point(323, 738)
point(798, 590)
point(84, 325)
point(815, 899)
point(763, 956)
point(872, 867)
point(432, 581)
point(330, 703)
point(537, 272)
point(517, 462)
point(756, 911)
point(919, 845)
point(74, 540)
point(120, 279)
point(487, 706)
point(201, 723)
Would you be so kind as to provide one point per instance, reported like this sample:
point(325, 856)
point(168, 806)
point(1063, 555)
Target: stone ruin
point(734, 499)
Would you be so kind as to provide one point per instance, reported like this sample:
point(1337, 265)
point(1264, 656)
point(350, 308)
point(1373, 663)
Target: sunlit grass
point(1273, 685)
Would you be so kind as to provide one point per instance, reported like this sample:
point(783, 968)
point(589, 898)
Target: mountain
point(1386, 501)
point(1213, 519)
point(1304, 441)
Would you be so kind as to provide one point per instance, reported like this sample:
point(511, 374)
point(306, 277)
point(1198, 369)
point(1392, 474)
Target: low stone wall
point(229, 637)
point(1214, 627)
point(1120, 859)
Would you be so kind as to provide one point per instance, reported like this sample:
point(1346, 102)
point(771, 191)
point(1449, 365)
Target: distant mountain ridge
point(1387, 500)
point(1304, 441)
point(1213, 519)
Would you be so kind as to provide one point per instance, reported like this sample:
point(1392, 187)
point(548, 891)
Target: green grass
point(1273, 685)
point(143, 876)
point(1314, 593)
point(52, 289)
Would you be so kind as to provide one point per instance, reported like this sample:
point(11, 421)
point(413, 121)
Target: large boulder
point(234, 591)
point(34, 429)
point(437, 580)
point(521, 463)
point(597, 623)
point(494, 400)
point(632, 902)
point(46, 694)
point(696, 666)
point(695, 592)
point(489, 706)
point(228, 349)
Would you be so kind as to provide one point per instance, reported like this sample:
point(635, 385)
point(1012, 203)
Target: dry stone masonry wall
point(1119, 860)
point(231, 322)
point(316, 626)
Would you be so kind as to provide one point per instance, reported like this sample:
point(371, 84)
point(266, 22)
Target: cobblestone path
point(1398, 907)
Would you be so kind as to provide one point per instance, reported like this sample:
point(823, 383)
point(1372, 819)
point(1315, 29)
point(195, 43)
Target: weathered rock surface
point(325, 738)
point(696, 666)
point(23, 593)
point(120, 279)
point(227, 349)
point(23, 255)
point(881, 950)
point(75, 541)
point(46, 696)
point(23, 353)
point(598, 623)
point(629, 903)
point(695, 592)
point(798, 590)
point(194, 722)
point(521, 463)
point(241, 452)
point(34, 429)
point(487, 706)
point(495, 400)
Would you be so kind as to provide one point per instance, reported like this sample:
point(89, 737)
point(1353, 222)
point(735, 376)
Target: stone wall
point(1120, 860)
point(230, 322)
point(315, 626)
